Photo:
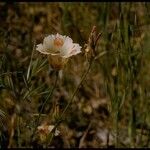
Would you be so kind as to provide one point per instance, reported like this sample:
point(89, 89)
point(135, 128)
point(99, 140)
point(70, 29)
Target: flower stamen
point(58, 42)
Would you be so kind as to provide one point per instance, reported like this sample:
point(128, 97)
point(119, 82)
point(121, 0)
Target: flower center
point(58, 42)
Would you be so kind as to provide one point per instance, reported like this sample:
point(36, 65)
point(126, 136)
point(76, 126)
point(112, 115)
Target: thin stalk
point(77, 88)
point(73, 95)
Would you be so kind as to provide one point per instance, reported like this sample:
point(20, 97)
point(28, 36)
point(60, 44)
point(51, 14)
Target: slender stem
point(75, 92)
point(45, 102)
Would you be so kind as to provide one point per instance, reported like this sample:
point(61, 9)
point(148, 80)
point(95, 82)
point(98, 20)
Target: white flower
point(59, 45)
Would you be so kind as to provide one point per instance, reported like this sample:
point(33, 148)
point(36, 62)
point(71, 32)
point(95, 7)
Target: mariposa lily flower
point(58, 48)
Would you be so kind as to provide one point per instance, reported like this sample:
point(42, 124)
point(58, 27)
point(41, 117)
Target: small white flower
point(59, 45)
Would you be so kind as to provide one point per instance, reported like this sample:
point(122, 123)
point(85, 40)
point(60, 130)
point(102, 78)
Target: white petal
point(76, 49)
point(66, 47)
point(67, 43)
point(48, 43)
point(68, 40)
point(41, 48)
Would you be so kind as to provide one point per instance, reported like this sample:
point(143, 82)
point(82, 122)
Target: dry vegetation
point(112, 105)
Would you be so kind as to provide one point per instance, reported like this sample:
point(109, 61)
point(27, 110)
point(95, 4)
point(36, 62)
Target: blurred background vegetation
point(112, 106)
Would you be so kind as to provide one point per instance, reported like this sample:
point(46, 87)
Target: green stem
point(75, 92)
